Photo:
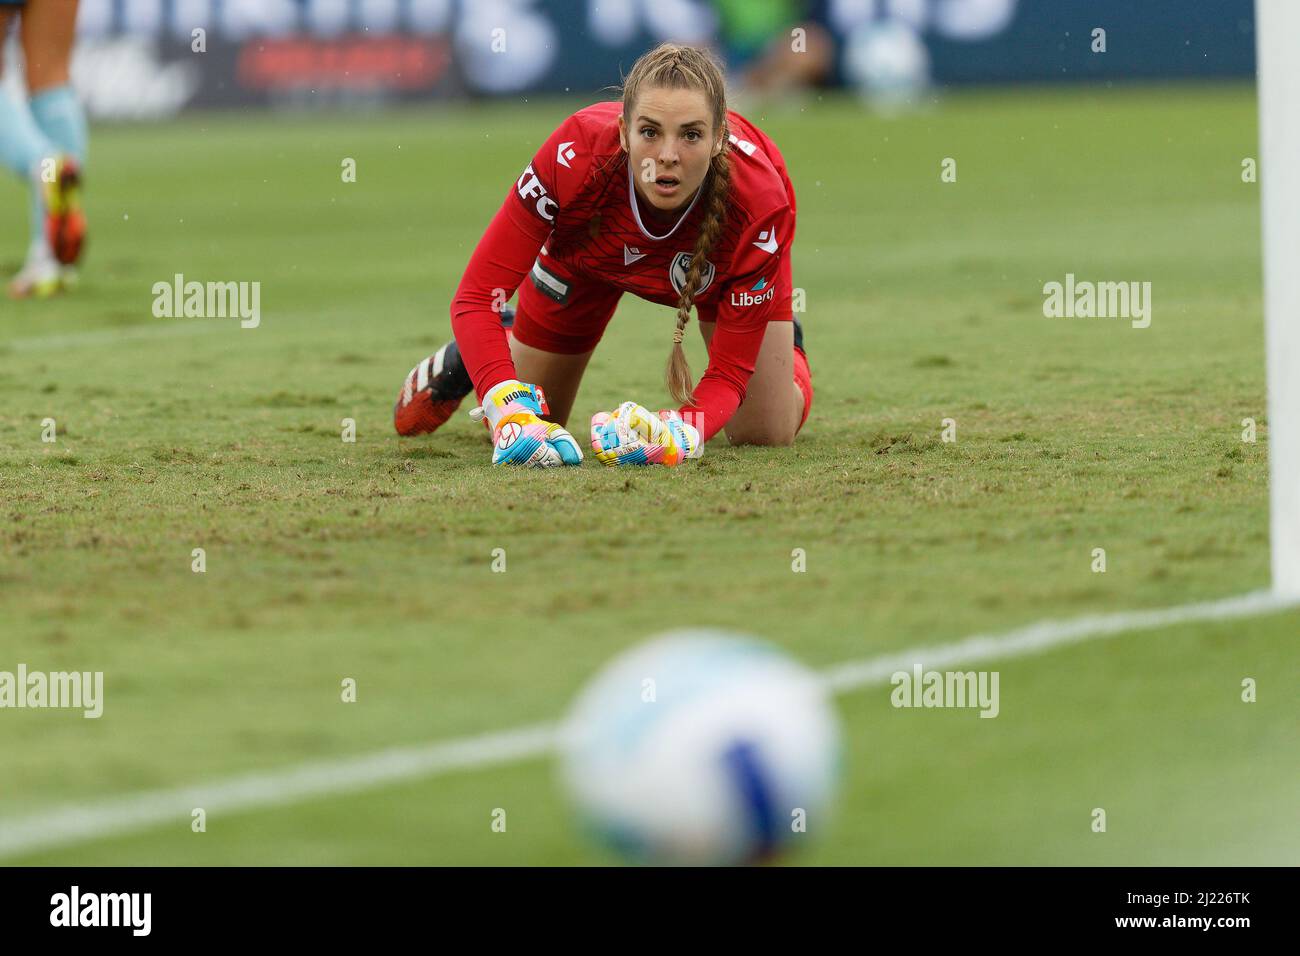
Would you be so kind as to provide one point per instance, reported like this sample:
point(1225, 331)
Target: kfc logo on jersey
point(530, 187)
point(764, 291)
point(680, 265)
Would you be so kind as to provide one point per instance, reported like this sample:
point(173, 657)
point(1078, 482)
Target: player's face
point(669, 143)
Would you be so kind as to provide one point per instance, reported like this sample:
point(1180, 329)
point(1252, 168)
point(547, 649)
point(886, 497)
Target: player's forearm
point(485, 350)
point(716, 400)
point(733, 352)
point(500, 261)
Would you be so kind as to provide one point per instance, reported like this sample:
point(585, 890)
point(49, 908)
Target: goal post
point(1277, 32)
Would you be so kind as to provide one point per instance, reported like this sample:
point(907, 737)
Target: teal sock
point(22, 144)
point(22, 147)
point(60, 116)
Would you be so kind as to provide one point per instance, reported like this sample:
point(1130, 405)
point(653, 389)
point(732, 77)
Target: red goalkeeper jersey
point(573, 213)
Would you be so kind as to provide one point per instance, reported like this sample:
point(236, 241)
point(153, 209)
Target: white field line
point(1047, 635)
point(78, 823)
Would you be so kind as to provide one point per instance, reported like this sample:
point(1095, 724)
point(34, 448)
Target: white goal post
point(1277, 32)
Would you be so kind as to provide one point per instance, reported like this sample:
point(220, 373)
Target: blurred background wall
point(152, 58)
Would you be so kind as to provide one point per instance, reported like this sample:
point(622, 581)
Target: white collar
point(636, 212)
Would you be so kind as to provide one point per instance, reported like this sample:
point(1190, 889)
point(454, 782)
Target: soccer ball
point(701, 748)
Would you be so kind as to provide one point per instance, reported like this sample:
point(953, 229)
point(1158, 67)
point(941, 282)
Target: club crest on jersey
point(680, 265)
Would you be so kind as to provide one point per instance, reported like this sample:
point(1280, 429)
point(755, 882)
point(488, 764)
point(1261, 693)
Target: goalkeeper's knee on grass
point(803, 380)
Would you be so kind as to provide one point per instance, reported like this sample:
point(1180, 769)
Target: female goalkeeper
point(667, 195)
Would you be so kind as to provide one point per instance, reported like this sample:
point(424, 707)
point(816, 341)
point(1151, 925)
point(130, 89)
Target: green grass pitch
point(372, 560)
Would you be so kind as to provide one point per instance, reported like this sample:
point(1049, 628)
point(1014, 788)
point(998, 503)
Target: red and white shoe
point(432, 392)
point(435, 388)
point(65, 222)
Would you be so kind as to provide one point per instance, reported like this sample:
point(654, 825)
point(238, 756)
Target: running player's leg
point(47, 30)
point(22, 148)
point(779, 395)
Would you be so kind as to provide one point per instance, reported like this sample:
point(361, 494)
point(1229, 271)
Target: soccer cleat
point(435, 388)
point(38, 279)
point(432, 392)
point(65, 223)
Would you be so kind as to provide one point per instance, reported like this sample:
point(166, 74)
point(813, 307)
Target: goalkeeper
point(667, 195)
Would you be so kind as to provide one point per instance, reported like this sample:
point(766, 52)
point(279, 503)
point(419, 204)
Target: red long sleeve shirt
point(573, 212)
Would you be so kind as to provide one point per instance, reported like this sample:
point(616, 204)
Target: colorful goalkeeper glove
point(633, 435)
point(519, 436)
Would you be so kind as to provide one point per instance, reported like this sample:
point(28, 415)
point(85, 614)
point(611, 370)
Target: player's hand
point(634, 435)
point(519, 436)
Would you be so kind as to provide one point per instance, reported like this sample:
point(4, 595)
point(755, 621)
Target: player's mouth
point(667, 185)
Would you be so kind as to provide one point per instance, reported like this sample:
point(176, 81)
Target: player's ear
point(622, 133)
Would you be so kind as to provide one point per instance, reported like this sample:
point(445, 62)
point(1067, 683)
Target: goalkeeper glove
point(633, 435)
point(519, 436)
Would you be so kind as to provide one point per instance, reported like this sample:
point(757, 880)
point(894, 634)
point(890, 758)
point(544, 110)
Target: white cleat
point(39, 278)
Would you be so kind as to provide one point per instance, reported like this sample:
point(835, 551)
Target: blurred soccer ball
point(702, 748)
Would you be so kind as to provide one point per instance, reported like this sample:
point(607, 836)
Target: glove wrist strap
point(512, 395)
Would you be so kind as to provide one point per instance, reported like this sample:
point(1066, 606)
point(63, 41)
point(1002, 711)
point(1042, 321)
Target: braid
point(677, 376)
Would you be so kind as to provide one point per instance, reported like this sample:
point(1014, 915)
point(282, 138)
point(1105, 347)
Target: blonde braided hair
point(674, 66)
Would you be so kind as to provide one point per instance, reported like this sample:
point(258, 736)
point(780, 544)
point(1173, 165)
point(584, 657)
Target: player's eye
point(692, 135)
point(648, 132)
